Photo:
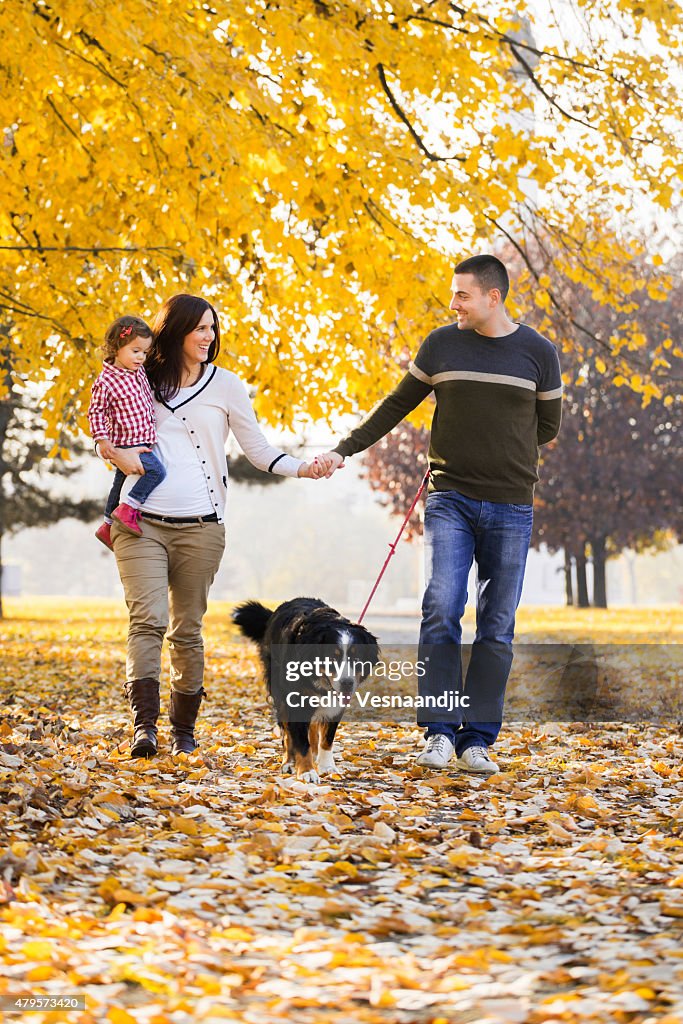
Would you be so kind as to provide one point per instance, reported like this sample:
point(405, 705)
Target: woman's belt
point(211, 518)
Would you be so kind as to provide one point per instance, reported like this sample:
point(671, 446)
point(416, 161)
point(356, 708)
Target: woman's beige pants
point(166, 575)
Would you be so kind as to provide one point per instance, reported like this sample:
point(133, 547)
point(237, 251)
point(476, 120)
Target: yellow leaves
point(237, 934)
point(542, 299)
point(114, 799)
point(185, 825)
point(112, 891)
point(413, 811)
point(560, 826)
point(672, 909)
point(342, 822)
point(586, 805)
point(495, 825)
point(372, 909)
point(658, 291)
point(37, 950)
point(116, 1015)
point(645, 992)
point(41, 973)
point(135, 973)
point(462, 858)
point(469, 815)
point(511, 146)
point(343, 869)
point(380, 996)
point(174, 123)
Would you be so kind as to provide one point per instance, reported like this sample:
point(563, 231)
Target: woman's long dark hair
point(177, 318)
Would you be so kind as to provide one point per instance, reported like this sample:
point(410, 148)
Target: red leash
point(392, 547)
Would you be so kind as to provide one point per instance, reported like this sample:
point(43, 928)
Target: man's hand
point(333, 461)
point(128, 460)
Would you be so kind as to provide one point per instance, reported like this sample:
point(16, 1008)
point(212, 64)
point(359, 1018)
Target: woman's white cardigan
point(201, 418)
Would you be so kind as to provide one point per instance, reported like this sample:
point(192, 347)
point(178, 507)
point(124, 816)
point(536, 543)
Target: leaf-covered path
point(212, 888)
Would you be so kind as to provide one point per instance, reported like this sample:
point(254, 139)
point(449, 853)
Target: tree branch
point(403, 117)
point(441, 24)
point(565, 113)
point(94, 249)
point(68, 127)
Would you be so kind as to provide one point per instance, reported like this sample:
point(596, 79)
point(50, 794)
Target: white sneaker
point(437, 752)
point(476, 760)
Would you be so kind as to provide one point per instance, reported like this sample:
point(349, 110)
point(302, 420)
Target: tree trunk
point(1, 609)
point(599, 573)
point(581, 580)
point(630, 559)
point(568, 588)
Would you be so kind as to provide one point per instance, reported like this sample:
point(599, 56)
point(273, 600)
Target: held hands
point(333, 461)
point(322, 466)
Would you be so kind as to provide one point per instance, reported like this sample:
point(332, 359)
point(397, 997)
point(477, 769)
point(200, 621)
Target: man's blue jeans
point(457, 531)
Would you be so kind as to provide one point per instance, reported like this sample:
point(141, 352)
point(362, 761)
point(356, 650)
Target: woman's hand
point(106, 450)
point(128, 460)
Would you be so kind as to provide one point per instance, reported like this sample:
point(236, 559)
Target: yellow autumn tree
point(313, 167)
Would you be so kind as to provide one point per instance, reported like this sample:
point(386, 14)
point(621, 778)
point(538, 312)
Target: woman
point(166, 572)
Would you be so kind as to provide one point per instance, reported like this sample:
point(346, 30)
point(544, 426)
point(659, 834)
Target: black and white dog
point(313, 661)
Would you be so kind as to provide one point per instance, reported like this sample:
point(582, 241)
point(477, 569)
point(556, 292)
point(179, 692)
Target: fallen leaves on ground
point(211, 887)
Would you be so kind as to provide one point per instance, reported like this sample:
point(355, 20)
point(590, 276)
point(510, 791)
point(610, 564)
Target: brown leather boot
point(143, 695)
point(182, 714)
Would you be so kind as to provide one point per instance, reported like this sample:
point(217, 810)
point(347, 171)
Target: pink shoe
point(128, 517)
point(103, 533)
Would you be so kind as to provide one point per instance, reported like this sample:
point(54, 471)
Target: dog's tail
point(252, 619)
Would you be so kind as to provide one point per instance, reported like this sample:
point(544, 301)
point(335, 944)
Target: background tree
point(614, 480)
point(28, 467)
point(243, 472)
point(308, 165)
point(394, 468)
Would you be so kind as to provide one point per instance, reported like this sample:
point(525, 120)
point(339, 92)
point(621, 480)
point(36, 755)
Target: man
point(498, 393)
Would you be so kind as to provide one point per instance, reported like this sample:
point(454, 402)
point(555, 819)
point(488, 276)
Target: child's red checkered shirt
point(122, 407)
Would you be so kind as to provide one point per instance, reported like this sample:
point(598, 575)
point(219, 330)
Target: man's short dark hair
point(488, 272)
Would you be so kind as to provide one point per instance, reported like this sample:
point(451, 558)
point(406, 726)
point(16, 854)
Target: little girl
point(121, 415)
